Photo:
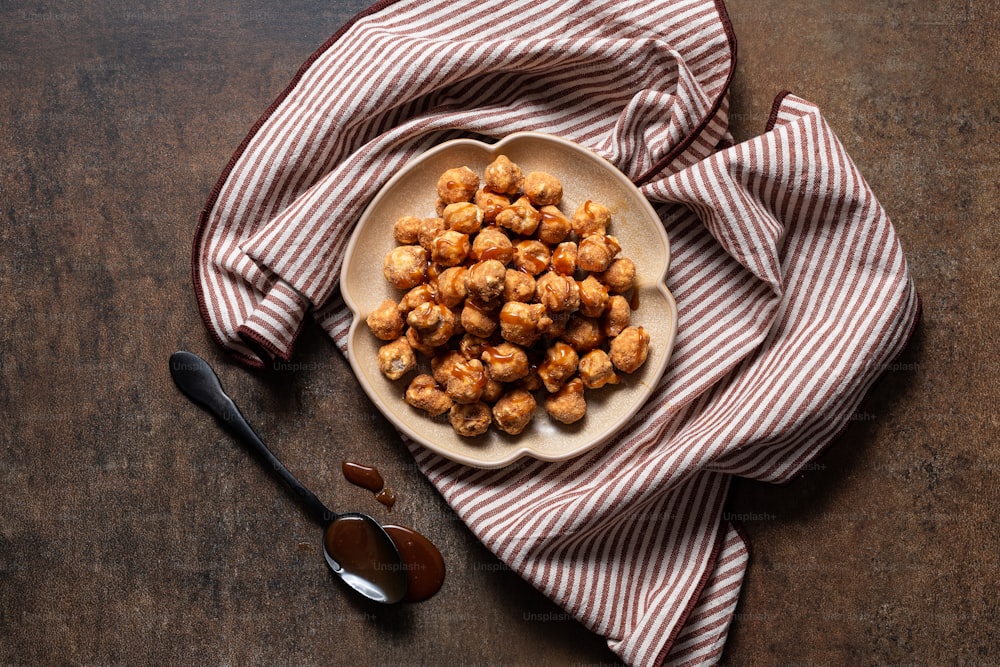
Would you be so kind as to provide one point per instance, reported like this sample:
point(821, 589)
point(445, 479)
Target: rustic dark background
point(134, 531)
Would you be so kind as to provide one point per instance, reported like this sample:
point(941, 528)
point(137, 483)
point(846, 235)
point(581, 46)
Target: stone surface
point(135, 531)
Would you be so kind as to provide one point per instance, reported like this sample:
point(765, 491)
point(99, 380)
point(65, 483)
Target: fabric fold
point(643, 86)
point(792, 289)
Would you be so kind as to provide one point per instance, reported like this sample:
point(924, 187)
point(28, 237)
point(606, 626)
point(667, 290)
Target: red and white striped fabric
point(792, 289)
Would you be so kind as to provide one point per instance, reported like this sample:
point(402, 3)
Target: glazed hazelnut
point(492, 390)
point(518, 286)
point(473, 346)
point(478, 320)
point(554, 227)
point(452, 286)
point(423, 293)
point(428, 230)
point(596, 370)
point(405, 266)
point(385, 321)
point(503, 176)
point(520, 217)
point(591, 218)
point(619, 276)
point(595, 252)
point(506, 362)
point(542, 189)
point(629, 349)
point(442, 364)
point(593, 297)
point(584, 333)
point(486, 279)
point(617, 315)
point(492, 243)
point(458, 184)
point(434, 323)
point(531, 256)
point(465, 380)
point(396, 359)
point(463, 217)
point(564, 258)
point(523, 323)
point(470, 419)
point(558, 293)
point(491, 203)
point(406, 229)
point(514, 411)
point(568, 404)
point(425, 394)
point(416, 343)
point(560, 364)
point(450, 248)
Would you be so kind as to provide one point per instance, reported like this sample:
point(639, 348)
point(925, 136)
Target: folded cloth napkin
point(792, 288)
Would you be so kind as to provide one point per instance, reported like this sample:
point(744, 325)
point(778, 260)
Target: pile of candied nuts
point(507, 296)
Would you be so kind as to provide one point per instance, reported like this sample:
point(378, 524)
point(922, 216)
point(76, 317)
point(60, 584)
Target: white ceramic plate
point(584, 175)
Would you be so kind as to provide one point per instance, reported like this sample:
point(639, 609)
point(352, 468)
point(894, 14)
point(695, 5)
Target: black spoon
point(355, 545)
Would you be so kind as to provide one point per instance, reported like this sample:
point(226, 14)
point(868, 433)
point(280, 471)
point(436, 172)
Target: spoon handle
point(196, 380)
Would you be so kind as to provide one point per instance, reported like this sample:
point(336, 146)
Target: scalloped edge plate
point(585, 175)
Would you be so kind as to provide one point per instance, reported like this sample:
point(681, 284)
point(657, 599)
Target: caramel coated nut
point(558, 293)
point(554, 227)
point(514, 411)
point(619, 276)
point(506, 362)
point(490, 203)
point(595, 252)
point(492, 243)
point(464, 217)
point(434, 323)
point(457, 185)
point(406, 230)
point(424, 293)
point(521, 217)
point(531, 256)
point(396, 359)
point(568, 404)
point(591, 218)
point(561, 362)
point(465, 381)
point(629, 349)
point(470, 419)
point(425, 394)
point(596, 370)
point(503, 176)
point(385, 321)
point(584, 333)
point(450, 248)
point(405, 266)
point(593, 296)
point(523, 323)
point(542, 189)
point(518, 286)
point(452, 286)
point(478, 320)
point(486, 279)
point(616, 316)
point(428, 230)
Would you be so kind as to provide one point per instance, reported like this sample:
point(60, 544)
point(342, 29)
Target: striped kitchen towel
point(792, 289)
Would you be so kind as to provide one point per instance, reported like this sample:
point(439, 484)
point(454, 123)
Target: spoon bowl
point(356, 547)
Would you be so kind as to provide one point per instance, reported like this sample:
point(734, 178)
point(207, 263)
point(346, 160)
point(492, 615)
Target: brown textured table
point(135, 532)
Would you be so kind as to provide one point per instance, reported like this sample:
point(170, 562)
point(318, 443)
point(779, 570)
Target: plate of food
point(508, 300)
